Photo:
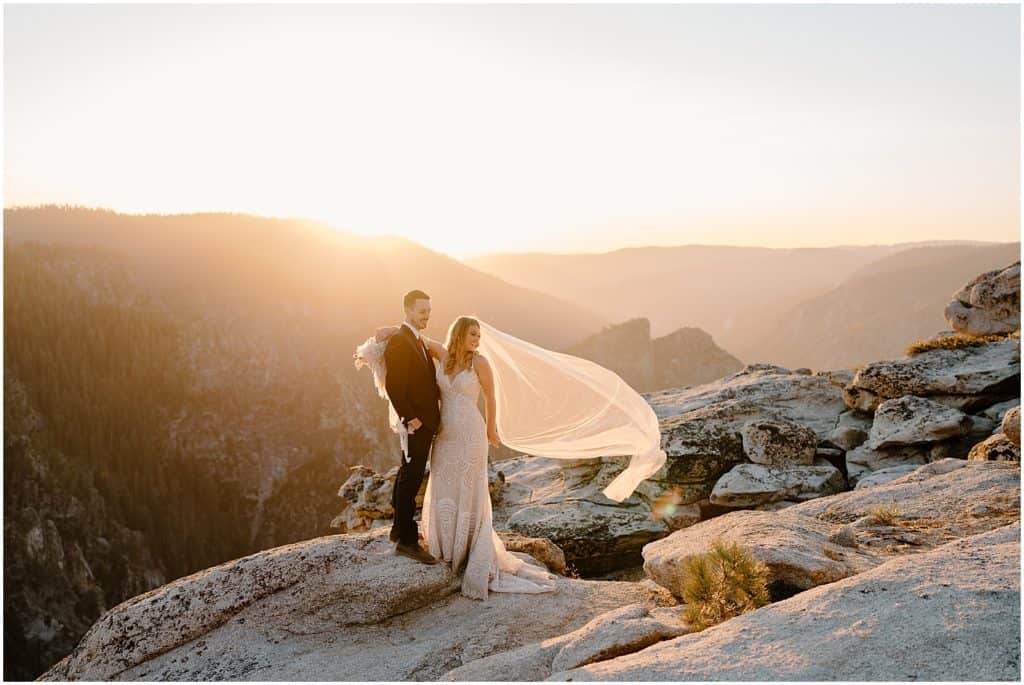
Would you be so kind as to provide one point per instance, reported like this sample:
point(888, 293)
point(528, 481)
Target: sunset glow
point(473, 129)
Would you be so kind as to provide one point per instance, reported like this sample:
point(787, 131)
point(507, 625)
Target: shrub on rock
point(722, 583)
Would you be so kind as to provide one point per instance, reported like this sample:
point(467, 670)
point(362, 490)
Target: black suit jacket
point(411, 382)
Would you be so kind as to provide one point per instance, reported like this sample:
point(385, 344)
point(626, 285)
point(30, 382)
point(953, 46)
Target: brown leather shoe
point(415, 552)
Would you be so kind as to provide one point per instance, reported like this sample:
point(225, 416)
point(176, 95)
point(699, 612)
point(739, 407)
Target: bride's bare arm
point(437, 350)
point(483, 372)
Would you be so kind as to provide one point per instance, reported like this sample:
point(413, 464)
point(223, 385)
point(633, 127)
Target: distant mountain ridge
point(352, 276)
point(686, 357)
point(711, 287)
point(744, 297)
point(875, 312)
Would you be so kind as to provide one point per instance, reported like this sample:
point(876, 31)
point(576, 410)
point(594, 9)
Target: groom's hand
point(413, 425)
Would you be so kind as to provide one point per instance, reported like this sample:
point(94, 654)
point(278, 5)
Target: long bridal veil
point(552, 404)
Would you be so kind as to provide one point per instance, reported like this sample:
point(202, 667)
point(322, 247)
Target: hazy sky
point(477, 128)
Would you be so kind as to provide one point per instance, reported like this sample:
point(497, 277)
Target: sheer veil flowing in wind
point(552, 404)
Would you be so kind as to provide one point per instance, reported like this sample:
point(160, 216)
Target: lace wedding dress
point(548, 404)
point(456, 517)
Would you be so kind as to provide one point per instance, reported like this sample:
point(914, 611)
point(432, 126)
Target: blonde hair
point(456, 343)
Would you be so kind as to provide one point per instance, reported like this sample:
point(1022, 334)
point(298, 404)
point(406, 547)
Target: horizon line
point(326, 224)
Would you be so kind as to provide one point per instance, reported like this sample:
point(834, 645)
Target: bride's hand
point(385, 332)
point(492, 437)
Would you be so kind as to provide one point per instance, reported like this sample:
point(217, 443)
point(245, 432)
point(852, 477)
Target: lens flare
point(666, 504)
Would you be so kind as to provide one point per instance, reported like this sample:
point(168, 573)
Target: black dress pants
point(407, 486)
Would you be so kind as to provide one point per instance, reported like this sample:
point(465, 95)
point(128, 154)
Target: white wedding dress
point(548, 404)
point(456, 517)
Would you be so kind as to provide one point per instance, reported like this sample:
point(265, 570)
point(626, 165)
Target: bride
point(539, 402)
point(457, 513)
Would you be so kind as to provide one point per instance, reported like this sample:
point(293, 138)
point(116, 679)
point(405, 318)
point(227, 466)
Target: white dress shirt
point(413, 329)
point(426, 355)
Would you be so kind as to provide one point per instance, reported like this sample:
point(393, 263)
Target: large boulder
point(952, 613)
point(751, 485)
point(988, 304)
point(336, 607)
point(851, 430)
point(793, 547)
point(864, 460)
point(541, 549)
point(997, 447)
point(968, 378)
point(561, 500)
point(772, 391)
point(596, 538)
point(910, 420)
point(778, 443)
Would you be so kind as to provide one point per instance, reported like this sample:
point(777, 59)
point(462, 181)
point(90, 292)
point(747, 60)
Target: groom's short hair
point(412, 296)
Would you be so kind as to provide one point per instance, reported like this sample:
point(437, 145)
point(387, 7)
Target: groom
point(411, 385)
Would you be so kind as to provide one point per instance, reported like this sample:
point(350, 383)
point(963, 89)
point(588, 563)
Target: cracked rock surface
point(952, 613)
point(339, 607)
